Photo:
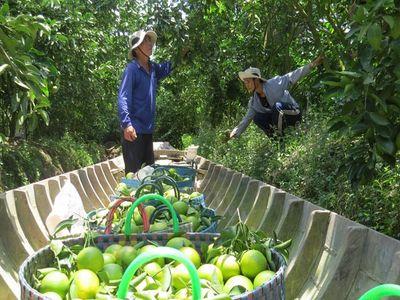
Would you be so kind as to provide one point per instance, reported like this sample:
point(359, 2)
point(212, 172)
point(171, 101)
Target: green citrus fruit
point(86, 284)
point(180, 277)
point(114, 271)
point(109, 258)
point(90, 258)
point(159, 226)
point(179, 242)
point(195, 220)
point(56, 282)
point(154, 270)
point(181, 207)
point(185, 197)
point(170, 192)
point(53, 296)
point(252, 263)
point(113, 249)
point(192, 254)
point(228, 266)
point(137, 217)
point(149, 210)
point(171, 199)
point(211, 273)
point(160, 260)
point(231, 285)
point(130, 175)
point(194, 195)
point(127, 254)
point(263, 277)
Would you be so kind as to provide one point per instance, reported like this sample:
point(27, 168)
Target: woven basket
point(271, 290)
point(183, 226)
point(207, 212)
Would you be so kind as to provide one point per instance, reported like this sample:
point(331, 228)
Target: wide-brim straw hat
point(251, 73)
point(137, 38)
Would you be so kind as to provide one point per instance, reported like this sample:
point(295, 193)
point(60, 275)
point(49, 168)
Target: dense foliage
point(61, 61)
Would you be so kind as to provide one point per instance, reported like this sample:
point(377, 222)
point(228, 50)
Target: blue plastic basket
point(200, 200)
point(132, 183)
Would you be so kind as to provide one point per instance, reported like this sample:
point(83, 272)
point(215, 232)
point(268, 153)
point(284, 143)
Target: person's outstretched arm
point(238, 130)
point(163, 69)
point(289, 79)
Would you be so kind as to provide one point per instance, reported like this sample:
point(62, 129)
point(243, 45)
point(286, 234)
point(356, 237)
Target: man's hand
point(130, 134)
point(233, 134)
point(317, 61)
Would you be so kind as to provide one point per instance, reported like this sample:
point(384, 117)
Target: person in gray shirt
point(271, 105)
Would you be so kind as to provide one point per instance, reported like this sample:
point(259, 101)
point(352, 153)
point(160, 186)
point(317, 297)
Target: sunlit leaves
point(371, 109)
point(20, 64)
point(374, 36)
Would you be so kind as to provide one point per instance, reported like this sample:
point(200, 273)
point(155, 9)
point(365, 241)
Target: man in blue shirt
point(271, 106)
point(137, 100)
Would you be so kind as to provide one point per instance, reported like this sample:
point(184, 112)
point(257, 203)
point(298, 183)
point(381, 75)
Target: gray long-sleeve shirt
point(275, 89)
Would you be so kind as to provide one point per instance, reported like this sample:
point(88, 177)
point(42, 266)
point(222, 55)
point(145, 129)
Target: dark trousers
point(138, 152)
point(279, 117)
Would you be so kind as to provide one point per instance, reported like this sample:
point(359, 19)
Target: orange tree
point(366, 89)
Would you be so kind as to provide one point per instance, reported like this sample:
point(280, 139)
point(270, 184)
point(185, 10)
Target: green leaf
point(44, 271)
point(4, 9)
point(395, 32)
point(20, 83)
point(33, 122)
point(103, 275)
point(237, 290)
point(368, 79)
point(374, 36)
point(363, 31)
point(378, 119)
point(386, 145)
point(365, 58)
point(45, 116)
point(348, 107)
point(337, 126)
point(349, 73)
point(332, 83)
point(379, 101)
point(389, 20)
point(359, 128)
point(384, 131)
point(378, 4)
point(166, 278)
point(65, 224)
point(360, 14)
point(349, 88)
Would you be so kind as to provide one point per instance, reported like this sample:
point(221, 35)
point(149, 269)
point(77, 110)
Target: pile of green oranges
point(187, 212)
point(94, 274)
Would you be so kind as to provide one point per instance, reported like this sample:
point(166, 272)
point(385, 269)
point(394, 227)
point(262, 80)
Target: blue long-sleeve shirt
point(137, 95)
